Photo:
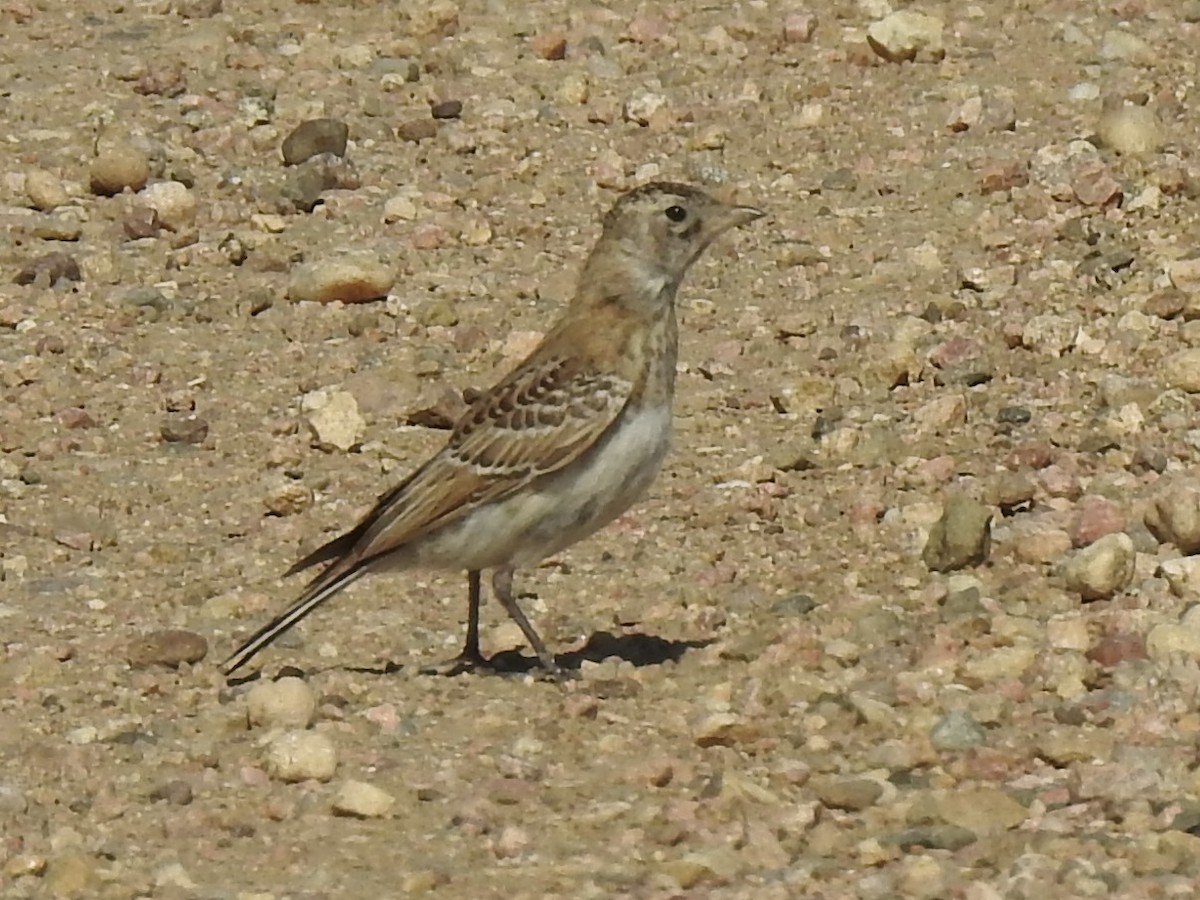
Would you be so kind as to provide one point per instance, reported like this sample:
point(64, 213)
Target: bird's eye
point(676, 213)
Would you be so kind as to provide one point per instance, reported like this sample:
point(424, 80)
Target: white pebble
point(362, 800)
point(300, 756)
point(286, 703)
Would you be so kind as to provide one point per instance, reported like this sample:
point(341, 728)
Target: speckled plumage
point(559, 447)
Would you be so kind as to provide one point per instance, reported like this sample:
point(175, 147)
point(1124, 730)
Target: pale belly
point(561, 508)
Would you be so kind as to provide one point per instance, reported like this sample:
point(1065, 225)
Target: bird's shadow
point(637, 649)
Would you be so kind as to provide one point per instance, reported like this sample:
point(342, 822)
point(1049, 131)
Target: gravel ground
point(910, 611)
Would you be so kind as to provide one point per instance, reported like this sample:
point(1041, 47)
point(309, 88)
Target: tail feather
point(338, 548)
point(318, 591)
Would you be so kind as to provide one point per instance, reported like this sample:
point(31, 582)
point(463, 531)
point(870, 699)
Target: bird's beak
point(742, 215)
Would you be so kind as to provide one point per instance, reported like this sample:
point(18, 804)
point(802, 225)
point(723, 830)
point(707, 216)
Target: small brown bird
point(560, 447)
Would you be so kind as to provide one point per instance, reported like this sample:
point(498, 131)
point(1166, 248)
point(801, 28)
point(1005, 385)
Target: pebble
point(334, 419)
point(1174, 518)
point(314, 137)
point(1185, 275)
point(119, 166)
point(44, 190)
point(301, 756)
point(49, 269)
point(984, 811)
point(1101, 569)
point(286, 703)
point(286, 497)
point(184, 429)
point(549, 46)
point(1094, 518)
point(353, 278)
point(177, 792)
point(72, 874)
point(850, 794)
point(362, 801)
point(446, 109)
point(1116, 648)
point(799, 27)
point(961, 537)
point(173, 203)
point(59, 228)
point(1094, 185)
point(905, 36)
point(169, 647)
point(1168, 639)
point(1182, 576)
point(416, 130)
point(1066, 744)
point(1048, 333)
point(1130, 129)
point(1125, 46)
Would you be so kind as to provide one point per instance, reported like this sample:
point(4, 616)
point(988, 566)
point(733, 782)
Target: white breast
point(563, 508)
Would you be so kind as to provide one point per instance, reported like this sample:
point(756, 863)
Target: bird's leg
point(502, 587)
point(470, 658)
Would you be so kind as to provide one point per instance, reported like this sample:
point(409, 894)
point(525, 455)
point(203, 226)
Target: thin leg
point(502, 587)
point(470, 658)
point(470, 648)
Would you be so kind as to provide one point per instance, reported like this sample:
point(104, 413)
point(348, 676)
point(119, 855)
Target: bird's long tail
point(320, 589)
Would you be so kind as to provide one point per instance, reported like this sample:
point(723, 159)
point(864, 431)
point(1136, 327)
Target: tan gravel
point(979, 281)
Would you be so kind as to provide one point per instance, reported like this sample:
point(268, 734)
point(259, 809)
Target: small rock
point(1174, 518)
point(1167, 640)
point(848, 793)
point(286, 703)
point(184, 429)
point(935, 837)
point(1063, 745)
point(177, 792)
point(1130, 129)
point(961, 537)
point(1182, 576)
point(549, 46)
point(45, 190)
point(1050, 334)
point(169, 647)
point(305, 184)
point(300, 756)
point(985, 811)
point(70, 875)
point(334, 418)
point(1123, 45)
point(50, 269)
point(362, 801)
point(173, 203)
point(1094, 185)
point(446, 109)
point(1113, 649)
point(313, 137)
point(354, 278)
point(799, 28)
point(643, 108)
point(118, 167)
point(141, 222)
point(1185, 275)
point(1102, 569)
point(1182, 370)
point(905, 36)
point(287, 498)
point(416, 130)
point(1094, 518)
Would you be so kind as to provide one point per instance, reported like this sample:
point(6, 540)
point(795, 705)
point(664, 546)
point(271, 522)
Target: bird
point(559, 447)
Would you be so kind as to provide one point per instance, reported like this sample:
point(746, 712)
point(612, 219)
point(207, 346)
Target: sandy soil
point(779, 696)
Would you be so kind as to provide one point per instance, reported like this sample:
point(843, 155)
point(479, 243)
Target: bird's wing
point(539, 419)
